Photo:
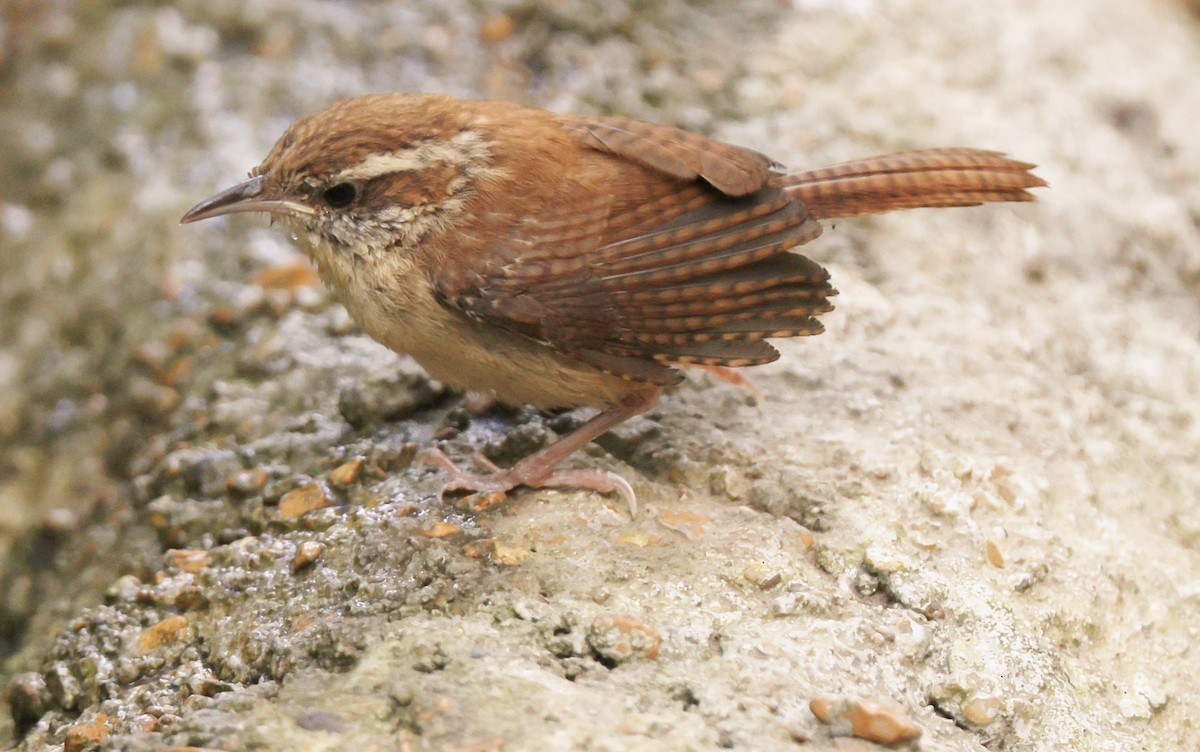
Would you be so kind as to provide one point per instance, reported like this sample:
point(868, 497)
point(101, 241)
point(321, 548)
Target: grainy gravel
point(969, 509)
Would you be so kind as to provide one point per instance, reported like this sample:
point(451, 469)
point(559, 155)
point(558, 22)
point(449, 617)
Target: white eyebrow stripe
point(463, 148)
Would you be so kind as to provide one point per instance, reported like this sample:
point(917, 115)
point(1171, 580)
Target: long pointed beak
point(243, 197)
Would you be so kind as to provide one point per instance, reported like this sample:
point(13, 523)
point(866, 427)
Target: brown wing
point(732, 170)
point(674, 253)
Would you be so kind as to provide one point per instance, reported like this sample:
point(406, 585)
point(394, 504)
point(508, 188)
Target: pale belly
point(407, 318)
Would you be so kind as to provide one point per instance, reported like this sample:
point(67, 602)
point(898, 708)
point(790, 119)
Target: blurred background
point(165, 388)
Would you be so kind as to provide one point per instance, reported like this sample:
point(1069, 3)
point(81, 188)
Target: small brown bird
point(565, 261)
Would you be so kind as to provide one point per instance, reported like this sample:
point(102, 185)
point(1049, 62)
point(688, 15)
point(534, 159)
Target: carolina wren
point(564, 261)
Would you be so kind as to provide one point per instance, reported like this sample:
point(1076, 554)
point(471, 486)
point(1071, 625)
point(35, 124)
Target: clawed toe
point(493, 486)
point(538, 469)
point(600, 481)
point(437, 458)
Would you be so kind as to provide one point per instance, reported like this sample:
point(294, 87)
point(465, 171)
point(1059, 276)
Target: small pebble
point(248, 481)
point(508, 555)
point(162, 633)
point(309, 497)
point(188, 560)
point(620, 638)
point(761, 576)
point(981, 711)
point(691, 524)
point(807, 540)
point(87, 735)
point(441, 530)
point(497, 28)
point(877, 721)
point(993, 554)
point(178, 372)
point(307, 553)
point(345, 474)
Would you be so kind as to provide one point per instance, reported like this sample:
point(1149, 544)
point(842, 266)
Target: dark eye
point(342, 194)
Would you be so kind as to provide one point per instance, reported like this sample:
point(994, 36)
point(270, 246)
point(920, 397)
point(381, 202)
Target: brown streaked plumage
point(561, 261)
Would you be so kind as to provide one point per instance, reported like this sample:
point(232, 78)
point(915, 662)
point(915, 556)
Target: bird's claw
point(492, 488)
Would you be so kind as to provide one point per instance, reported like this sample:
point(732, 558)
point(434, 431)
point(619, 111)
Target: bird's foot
point(492, 487)
point(734, 377)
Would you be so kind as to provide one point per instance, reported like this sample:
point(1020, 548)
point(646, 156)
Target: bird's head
point(365, 175)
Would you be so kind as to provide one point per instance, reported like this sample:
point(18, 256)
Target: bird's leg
point(734, 377)
point(538, 469)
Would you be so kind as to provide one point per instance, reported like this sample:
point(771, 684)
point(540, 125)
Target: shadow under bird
point(564, 261)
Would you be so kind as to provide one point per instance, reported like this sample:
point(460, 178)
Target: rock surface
point(972, 502)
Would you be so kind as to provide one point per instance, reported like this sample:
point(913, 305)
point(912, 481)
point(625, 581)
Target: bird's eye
point(342, 194)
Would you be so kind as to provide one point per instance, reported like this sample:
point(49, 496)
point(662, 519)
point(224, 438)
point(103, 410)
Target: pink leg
point(732, 376)
point(537, 470)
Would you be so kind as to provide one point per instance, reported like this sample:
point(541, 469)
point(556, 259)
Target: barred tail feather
point(912, 179)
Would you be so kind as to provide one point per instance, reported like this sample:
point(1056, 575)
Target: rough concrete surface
point(968, 510)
